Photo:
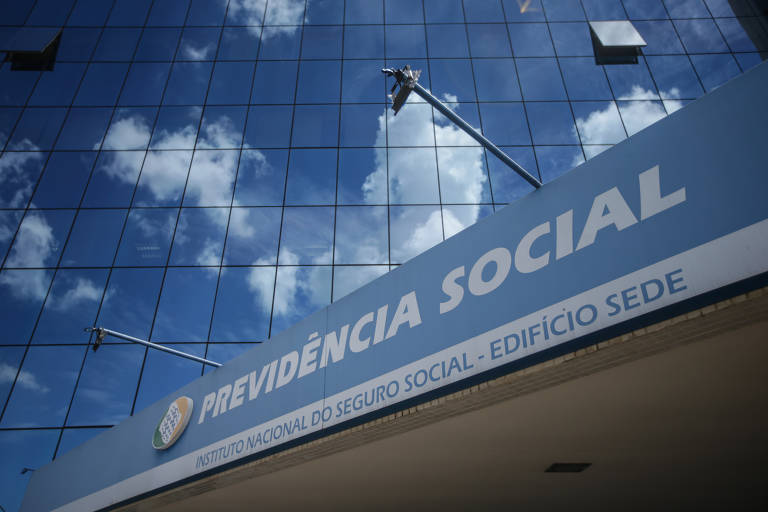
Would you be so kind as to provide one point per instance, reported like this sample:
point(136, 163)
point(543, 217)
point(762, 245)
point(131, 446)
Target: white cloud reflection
point(26, 379)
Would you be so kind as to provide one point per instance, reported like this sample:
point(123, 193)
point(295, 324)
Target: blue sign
point(675, 211)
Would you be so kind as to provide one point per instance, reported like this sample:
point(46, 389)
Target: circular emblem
point(173, 423)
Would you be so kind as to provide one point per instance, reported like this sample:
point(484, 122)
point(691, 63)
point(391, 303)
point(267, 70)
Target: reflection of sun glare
point(525, 6)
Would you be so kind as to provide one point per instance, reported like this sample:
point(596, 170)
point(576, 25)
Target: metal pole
point(490, 146)
point(101, 332)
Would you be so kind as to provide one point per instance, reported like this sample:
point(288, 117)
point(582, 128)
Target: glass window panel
point(77, 43)
point(496, 80)
point(412, 127)
point(572, 39)
point(592, 151)
point(22, 448)
point(129, 304)
point(505, 123)
point(725, 8)
point(23, 292)
point(551, 123)
point(116, 44)
point(205, 12)
point(463, 178)
point(147, 237)
point(645, 9)
point(540, 79)
point(316, 125)
point(531, 40)
point(479, 11)
point(211, 178)
point(362, 125)
point(199, 238)
point(631, 82)
point(64, 180)
point(268, 126)
point(74, 437)
point(413, 230)
point(364, 42)
point(19, 173)
point(456, 218)
point(444, 11)
point(686, 9)
point(318, 82)
point(49, 379)
point(84, 128)
point(563, 10)
point(165, 373)
point(40, 238)
point(299, 292)
point(94, 238)
point(280, 43)
point(311, 177)
point(239, 43)
point(107, 385)
point(598, 122)
point(130, 128)
point(748, 60)
point(158, 44)
point(186, 304)
point(16, 13)
point(449, 134)
point(8, 118)
point(58, 87)
point(188, 83)
point(176, 128)
point(10, 360)
point(129, 12)
point(556, 160)
point(252, 237)
point(364, 11)
point(413, 176)
point(101, 84)
point(403, 11)
point(162, 178)
point(307, 236)
point(231, 83)
point(675, 77)
point(523, 10)
point(452, 78)
point(506, 184)
point(742, 34)
point(274, 82)
point(488, 40)
point(715, 70)
point(348, 279)
point(321, 43)
point(245, 13)
point(15, 87)
point(261, 178)
point(290, 12)
point(639, 114)
point(700, 36)
point(405, 41)
point(37, 129)
point(616, 33)
point(168, 13)
point(198, 44)
point(71, 304)
point(145, 83)
point(584, 80)
point(447, 41)
point(114, 179)
point(222, 127)
point(361, 235)
point(243, 305)
point(359, 84)
point(225, 352)
point(362, 176)
point(9, 221)
point(325, 12)
point(604, 10)
point(661, 37)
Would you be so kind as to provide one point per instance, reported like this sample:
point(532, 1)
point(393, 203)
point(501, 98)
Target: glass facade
point(205, 173)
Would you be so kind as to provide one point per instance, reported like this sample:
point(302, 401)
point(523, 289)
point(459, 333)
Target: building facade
point(205, 173)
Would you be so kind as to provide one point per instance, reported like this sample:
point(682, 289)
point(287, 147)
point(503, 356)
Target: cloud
point(83, 290)
point(26, 379)
point(191, 52)
point(18, 174)
point(287, 13)
point(600, 126)
point(35, 243)
point(130, 132)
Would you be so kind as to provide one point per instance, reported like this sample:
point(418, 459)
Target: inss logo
point(173, 423)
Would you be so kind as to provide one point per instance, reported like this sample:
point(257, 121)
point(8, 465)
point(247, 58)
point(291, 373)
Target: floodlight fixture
point(407, 80)
point(101, 333)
